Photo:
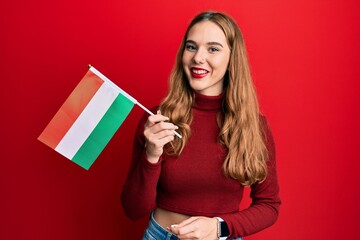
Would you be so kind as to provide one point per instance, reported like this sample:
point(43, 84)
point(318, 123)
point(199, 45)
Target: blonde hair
point(240, 128)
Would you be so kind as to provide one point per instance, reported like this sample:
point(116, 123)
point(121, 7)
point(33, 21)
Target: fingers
point(160, 134)
point(156, 124)
point(161, 126)
point(184, 229)
point(196, 228)
point(156, 142)
point(187, 221)
point(153, 119)
point(157, 132)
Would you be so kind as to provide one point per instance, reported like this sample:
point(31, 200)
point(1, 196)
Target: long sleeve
point(264, 209)
point(139, 190)
point(190, 185)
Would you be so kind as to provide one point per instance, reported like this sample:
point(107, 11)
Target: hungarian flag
point(88, 119)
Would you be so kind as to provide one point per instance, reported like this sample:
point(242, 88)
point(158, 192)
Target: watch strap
point(223, 230)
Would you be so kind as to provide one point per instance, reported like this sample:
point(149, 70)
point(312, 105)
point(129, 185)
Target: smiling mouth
point(198, 72)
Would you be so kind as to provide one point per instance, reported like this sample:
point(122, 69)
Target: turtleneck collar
point(208, 103)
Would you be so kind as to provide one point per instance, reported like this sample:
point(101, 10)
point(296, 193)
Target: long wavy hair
point(239, 123)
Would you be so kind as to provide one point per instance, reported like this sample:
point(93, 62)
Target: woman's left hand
point(203, 228)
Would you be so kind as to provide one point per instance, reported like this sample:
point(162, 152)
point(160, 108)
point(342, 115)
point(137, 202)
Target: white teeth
point(198, 71)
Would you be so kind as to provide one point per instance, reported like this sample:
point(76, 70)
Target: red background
point(304, 57)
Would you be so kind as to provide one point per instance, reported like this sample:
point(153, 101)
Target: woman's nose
point(199, 57)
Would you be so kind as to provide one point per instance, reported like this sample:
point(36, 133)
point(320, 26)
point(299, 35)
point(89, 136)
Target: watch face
point(224, 230)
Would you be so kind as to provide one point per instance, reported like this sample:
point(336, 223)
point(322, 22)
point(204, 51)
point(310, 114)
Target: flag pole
point(125, 94)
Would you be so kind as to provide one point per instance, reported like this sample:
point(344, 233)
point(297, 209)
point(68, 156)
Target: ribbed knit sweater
point(194, 183)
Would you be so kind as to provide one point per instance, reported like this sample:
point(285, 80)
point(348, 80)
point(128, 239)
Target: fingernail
point(174, 225)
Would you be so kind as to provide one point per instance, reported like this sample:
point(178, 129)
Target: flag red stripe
point(70, 110)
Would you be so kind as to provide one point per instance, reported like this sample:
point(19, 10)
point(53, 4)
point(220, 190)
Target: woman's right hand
point(157, 133)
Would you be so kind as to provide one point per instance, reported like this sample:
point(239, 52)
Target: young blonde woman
point(192, 186)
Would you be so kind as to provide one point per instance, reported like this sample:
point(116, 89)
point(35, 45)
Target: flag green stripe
point(103, 132)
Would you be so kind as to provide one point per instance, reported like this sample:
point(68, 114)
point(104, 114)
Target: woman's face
point(206, 58)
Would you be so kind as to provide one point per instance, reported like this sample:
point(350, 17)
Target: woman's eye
point(190, 47)
point(213, 49)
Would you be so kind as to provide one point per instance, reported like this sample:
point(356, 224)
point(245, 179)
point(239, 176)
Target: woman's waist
point(194, 205)
point(166, 218)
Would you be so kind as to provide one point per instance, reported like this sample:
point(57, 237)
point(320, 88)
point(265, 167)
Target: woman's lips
point(198, 72)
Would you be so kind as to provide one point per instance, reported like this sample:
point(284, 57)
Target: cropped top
point(194, 183)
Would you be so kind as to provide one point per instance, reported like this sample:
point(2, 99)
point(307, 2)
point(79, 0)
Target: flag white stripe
point(87, 121)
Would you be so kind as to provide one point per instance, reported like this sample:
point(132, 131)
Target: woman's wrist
point(151, 158)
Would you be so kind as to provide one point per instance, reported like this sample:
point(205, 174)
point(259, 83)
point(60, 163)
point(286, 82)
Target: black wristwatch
point(223, 230)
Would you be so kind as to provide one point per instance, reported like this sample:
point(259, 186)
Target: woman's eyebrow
point(208, 43)
point(215, 43)
point(190, 41)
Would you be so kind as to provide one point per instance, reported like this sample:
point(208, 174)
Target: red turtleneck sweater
point(194, 183)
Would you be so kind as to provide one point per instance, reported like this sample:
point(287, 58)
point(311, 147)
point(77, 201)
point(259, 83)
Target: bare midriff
point(167, 218)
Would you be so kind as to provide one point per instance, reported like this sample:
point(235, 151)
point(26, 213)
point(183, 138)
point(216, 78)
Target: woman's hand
point(157, 133)
point(203, 228)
